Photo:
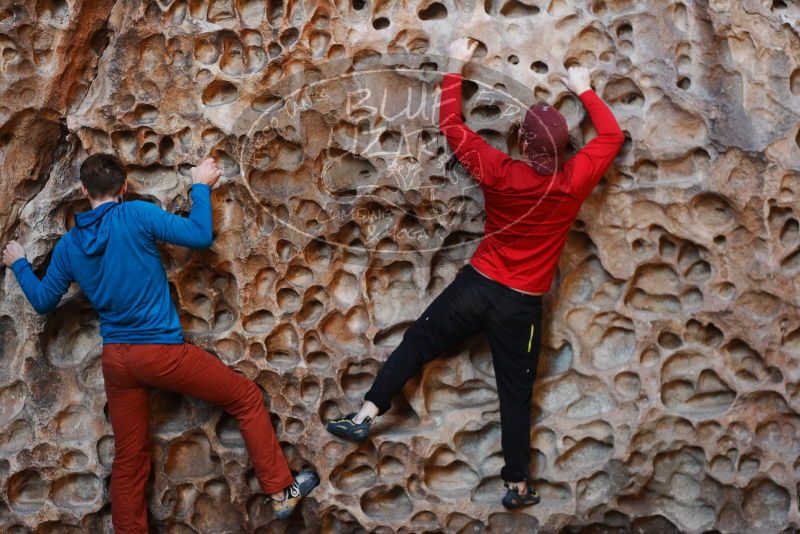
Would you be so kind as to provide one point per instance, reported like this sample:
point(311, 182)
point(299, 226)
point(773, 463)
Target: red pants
point(129, 370)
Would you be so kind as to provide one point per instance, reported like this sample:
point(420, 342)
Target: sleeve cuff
point(18, 265)
point(587, 93)
point(200, 187)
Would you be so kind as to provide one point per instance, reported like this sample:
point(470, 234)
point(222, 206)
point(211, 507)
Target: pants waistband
point(474, 276)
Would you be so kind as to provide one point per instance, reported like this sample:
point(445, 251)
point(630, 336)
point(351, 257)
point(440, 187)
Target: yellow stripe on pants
point(530, 340)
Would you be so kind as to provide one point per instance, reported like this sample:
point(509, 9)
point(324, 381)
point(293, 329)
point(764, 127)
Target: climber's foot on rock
point(346, 427)
point(305, 481)
point(515, 498)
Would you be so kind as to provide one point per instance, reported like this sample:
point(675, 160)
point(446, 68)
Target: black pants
point(512, 321)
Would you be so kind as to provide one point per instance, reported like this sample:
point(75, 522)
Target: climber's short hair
point(103, 175)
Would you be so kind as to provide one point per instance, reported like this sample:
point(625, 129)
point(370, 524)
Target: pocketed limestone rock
point(668, 387)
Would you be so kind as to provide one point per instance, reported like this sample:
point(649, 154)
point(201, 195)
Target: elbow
point(451, 136)
point(202, 237)
point(202, 244)
point(43, 308)
point(448, 121)
point(618, 138)
point(208, 239)
point(204, 241)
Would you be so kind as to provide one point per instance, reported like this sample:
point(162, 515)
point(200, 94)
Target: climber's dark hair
point(102, 175)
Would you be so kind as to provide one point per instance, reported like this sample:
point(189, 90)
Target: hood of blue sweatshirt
point(92, 229)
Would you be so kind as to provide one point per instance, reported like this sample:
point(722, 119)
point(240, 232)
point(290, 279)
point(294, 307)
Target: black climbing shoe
point(305, 481)
point(346, 428)
point(514, 500)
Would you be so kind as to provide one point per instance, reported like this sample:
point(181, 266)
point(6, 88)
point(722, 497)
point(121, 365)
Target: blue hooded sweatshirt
point(112, 253)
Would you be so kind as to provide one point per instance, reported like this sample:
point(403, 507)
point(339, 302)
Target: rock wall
point(669, 386)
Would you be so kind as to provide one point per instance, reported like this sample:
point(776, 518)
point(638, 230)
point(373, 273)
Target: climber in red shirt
point(530, 206)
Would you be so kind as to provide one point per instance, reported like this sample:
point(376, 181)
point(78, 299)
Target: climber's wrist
point(455, 66)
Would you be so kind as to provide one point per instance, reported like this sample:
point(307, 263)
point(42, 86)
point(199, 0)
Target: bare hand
point(12, 253)
point(206, 173)
point(579, 80)
point(461, 50)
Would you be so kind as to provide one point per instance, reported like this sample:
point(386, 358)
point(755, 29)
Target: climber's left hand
point(461, 50)
point(12, 253)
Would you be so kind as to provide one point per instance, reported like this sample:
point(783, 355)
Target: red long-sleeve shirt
point(528, 215)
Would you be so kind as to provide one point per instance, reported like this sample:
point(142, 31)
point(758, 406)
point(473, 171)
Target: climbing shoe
point(514, 499)
point(305, 481)
point(348, 429)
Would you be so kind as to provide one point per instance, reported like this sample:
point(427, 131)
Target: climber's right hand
point(206, 173)
point(579, 80)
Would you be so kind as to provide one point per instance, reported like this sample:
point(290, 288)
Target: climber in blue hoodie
point(112, 253)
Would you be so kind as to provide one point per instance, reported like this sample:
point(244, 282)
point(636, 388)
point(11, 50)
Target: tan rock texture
point(669, 385)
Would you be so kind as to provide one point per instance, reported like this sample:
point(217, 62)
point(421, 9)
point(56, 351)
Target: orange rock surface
point(669, 385)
